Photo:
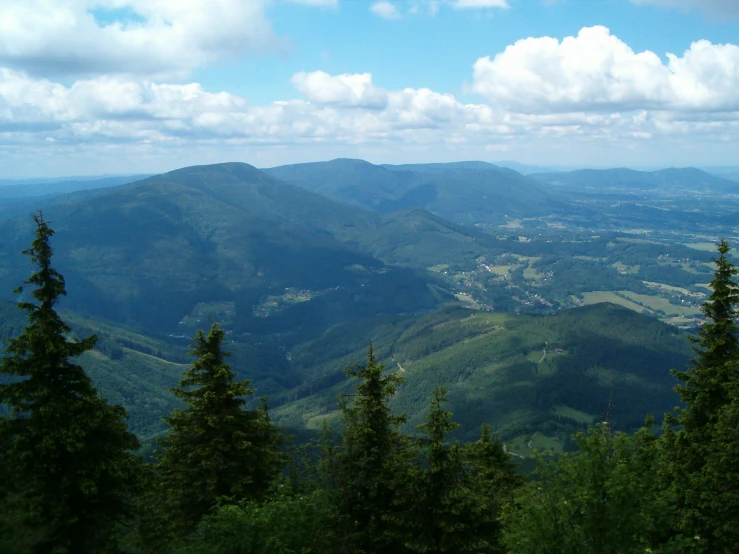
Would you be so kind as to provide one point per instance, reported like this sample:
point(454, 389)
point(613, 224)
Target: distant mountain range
point(464, 192)
point(148, 252)
point(305, 264)
point(665, 180)
point(12, 189)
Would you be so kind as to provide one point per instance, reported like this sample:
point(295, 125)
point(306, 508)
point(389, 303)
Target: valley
point(566, 303)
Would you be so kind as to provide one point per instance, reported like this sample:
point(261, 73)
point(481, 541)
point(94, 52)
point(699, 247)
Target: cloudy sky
point(125, 86)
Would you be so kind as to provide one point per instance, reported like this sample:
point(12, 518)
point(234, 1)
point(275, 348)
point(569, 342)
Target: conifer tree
point(493, 478)
point(372, 464)
point(447, 515)
point(704, 443)
point(216, 447)
point(704, 389)
point(67, 449)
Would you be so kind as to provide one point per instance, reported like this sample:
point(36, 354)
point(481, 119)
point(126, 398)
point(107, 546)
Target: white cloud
point(720, 8)
point(556, 98)
point(478, 4)
point(596, 71)
point(159, 37)
point(385, 10)
point(343, 90)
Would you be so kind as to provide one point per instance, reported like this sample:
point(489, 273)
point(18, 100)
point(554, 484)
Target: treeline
point(224, 479)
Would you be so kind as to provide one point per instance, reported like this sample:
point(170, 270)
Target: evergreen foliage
point(493, 478)
point(284, 524)
point(446, 516)
point(598, 500)
point(704, 451)
point(372, 464)
point(67, 452)
point(216, 448)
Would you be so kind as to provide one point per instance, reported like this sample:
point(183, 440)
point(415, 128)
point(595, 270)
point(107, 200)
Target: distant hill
point(150, 252)
point(528, 376)
point(13, 190)
point(531, 378)
point(623, 179)
point(448, 167)
point(466, 192)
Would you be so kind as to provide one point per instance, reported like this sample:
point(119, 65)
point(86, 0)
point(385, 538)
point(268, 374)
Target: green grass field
point(609, 296)
point(572, 413)
point(659, 303)
point(704, 246)
point(670, 288)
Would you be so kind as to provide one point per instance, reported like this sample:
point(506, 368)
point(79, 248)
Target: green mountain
point(535, 379)
point(687, 179)
point(531, 377)
point(467, 192)
point(265, 255)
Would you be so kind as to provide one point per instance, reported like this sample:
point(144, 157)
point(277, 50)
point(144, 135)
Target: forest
point(225, 478)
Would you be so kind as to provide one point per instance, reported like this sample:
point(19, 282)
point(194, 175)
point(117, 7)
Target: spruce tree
point(716, 349)
point(704, 441)
point(371, 465)
point(216, 448)
point(493, 477)
point(67, 449)
point(447, 516)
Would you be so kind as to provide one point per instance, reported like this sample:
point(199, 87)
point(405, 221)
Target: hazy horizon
point(140, 87)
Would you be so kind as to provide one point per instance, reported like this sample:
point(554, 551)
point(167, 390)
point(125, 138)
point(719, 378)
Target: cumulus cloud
point(587, 89)
point(385, 10)
point(597, 71)
point(146, 37)
point(343, 90)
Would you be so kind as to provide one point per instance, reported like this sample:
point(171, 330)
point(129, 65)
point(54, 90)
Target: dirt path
point(544, 354)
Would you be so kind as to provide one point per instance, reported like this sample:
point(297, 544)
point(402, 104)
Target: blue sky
point(125, 86)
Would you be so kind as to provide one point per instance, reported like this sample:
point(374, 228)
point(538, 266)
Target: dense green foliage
point(214, 447)
point(704, 451)
point(67, 452)
point(598, 500)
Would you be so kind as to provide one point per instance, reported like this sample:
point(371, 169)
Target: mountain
point(448, 167)
point(687, 179)
point(526, 375)
point(14, 190)
point(533, 378)
point(273, 256)
point(467, 192)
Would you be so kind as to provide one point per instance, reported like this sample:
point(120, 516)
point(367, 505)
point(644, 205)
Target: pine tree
point(493, 477)
point(215, 448)
point(704, 441)
point(371, 464)
point(67, 448)
point(447, 515)
point(716, 350)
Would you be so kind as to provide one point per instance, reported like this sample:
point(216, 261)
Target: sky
point(131, 86)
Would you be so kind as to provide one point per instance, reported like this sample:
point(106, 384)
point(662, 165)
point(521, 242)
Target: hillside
point(600, 361)
point(526, 375)
point(154, 252)
point(467, 193)
point(669, 180)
